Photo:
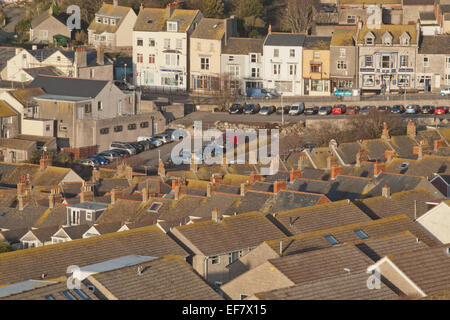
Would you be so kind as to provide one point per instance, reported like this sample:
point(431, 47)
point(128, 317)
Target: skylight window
point(81, 294)
point(361, 234)
point(404, 165)
point(155, 207)
point(68, 295)
point(50, 297)
point(332, 240)
point(150, 21)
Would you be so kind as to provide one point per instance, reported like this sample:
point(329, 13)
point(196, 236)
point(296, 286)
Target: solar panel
point(68, 295)
point(361, 234)
point(81, 294)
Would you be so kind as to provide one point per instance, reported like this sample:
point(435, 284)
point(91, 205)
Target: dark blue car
point(100, 160)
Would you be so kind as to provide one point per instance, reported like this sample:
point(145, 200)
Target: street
point(14, 15)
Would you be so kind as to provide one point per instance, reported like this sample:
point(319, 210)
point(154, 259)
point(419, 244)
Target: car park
point(384, 108)
point(366, 109)
point(252, 108)
point(267, 110)
point(427, 109)
point(297, 108)
point(145, 145)
point(111, 155)
point(311, 110)
point(339, 109)
point(262, 93)
point(440, 110)
point(163, 137)
point(324, 110)
point(352, 110)
point(283, 109)
point(121, 152)
point(99, 159)
point(412, 109)
point(236, 108)
point(139, 147)
point(398, 108)
point(123, 146)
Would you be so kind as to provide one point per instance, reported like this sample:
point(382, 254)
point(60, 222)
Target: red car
point(352, 110)
point(339, 109)
point(440, 110)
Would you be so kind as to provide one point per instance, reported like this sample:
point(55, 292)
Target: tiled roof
point(368, 2)
point(231, 234)
point(348, 151)
point(122, 210)
point(347, 187)
point(253, 201)
point(351, 286)
point(53, 289)
point(6, 110)
point(321, 264)
point(398, 203)
point(16, 144)
point(285, 39)
point(395, 30)
point(428, 268)
point(286, 200)
point(45, 15)
point(376, 148)
point(109, 10)
point(45, 234)
point(373, 229)
point(105, 228)
point(426, 167)
point(49, 71)
point(309, 185)
point(154, 19)
point(243, 46)
point(211, 29)
point(12, 218)
point(53, 260)
point(6, 53)
point(343, 38)
point(13, 236)
point(396, 182)
point(167, 278)
point(76, 232)
point(317, 43)
point(25, 96)
point(321, 217)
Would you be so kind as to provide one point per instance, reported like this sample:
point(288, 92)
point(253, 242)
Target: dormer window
point(369, 39)
point(405, 39)
point(387, 39)
point(172, 26)
point(113, 22)
point(105, 20)
point(99, 20)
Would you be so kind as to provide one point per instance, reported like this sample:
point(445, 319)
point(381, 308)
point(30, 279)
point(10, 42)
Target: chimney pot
point(335, 171)
point(209, 190)
point(386, 191)
point(20, 201)
point(215, 215)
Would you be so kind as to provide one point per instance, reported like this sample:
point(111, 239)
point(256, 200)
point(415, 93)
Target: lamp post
point(125, 73)
point(282, 109)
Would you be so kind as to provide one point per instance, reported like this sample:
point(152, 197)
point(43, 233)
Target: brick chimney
point(294, 174)
point(51, 201)
point(171, 8)
point(115, 192)
point(20, 188)
point(438, 144)
point(215, 215)
point(278, 186)
point(242, 189)
point(161, 169)
point(95, 175)
point(386, 191)
point(177, 192)
point(129, 173)
point(216, 178)
point(115, 3)
point(378, 168)
point(358, 158)
point(411, 129)
point(335, 171)
point(209, 189)
point(193, 164)
point(46, 161)
point(100, 55)
point(144, 195)
point(20, 201)
point(80, 57)
point(87, 193)
point(389, 155)
point(385, 134)
point(255, 177)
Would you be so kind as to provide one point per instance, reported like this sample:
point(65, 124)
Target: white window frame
point(89, 215)
point(342, 52)
point(215, 259)
point(172, 26)
point(426, 61)
point(341, 65)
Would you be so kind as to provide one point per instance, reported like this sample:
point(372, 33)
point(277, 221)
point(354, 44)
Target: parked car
point(171, 134)
point(428, 109)
point(413, 108)
point(111, 155)
point(383, 108)
point(90, 163)
point(236, 108)
point(121, 152)
point(139, 148)
point(343, 92)
point(440, 110)
point(324, 110)
point(398, 108)
point(163, 137)
point(100, 160)
point(283, 109)
point(366, 109)
point(311, 110)
point(123, 146)
point(445, 91)
point(252, 108)
point(145, 145)
point(339, 109)
point(297, 108)
point(262, 93)
point(352, 110)
point(267, 110)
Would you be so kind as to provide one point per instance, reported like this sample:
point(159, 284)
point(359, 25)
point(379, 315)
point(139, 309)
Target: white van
point(445, 91)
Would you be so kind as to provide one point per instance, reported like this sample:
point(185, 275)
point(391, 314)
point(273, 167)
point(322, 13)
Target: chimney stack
point(171, 8)
point(335, 171)
point(215, 215)
point(51, 201)
point(411, 129)
point(144, 195)
point(303, 162)
point(114, 195)
point(385, 134)
point(209, 190)
point(95, 175)
point(100, 55)
point(420, 153)
point(386, 191)
point(194, 165)
point(278, 186)
point(20, 201)
point(161, 169)
point(438, 144)
point(129, 173)
point(177, 192)
point(242, 189)
point(115, 3)
point(389, 155)
point(378, 168)
point(46, 161)
point(20, 188)
point(294, 174)
point(80, 57)
point(255, 177)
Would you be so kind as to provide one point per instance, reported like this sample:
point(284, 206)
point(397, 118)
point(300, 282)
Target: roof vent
point(43, 276)
point(139, 270)
point(150, 21)
point(215, 25)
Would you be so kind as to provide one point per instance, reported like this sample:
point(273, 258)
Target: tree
point(213, 8)
point(298, 15)
point(5, 247)
point(249, 8)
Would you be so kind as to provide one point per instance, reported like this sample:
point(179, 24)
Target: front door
point(437, 81)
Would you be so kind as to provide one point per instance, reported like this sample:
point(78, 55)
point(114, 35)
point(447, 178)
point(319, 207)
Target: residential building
point(437, 222)
point(316, 66)
point(206, 46)
point(9, 121)
point(242, 59)
point(387, 57)
point(161, 46)
point(47, 26)
point(84, 213)
point(15, 150)
point(282, 56)
point(442, 183)
point(38, 237)
point(71, 233)
point(112, 26)
point(433, 63)
point(343, 60)
point(370, 11)
point(412, 10)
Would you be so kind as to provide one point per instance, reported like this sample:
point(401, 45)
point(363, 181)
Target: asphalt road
point(14, 15)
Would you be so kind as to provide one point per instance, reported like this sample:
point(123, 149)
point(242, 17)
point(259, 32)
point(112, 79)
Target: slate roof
point(231, 234)
point(12, 218)
point(167, 278)
point(426, 167)
point(320, 217)
point(6, 53)
point(395, 30)
point(243, 46)
point(398, 203)
point(396, 182)
point(343, 38)
point(53, 260)
point(211, 29)
point(6, 110)
point(418, 2)
point(403, 145)
point(111, 11)
point(122, 210)
point(73, 87)
point(62, 18)
point(13, 236)
point(376, 148)
point(253, 201)
point(16, 144)
point(158, 19)
point(45, 234)
point(348, 151)
point(343, 287)
point(309, 185)
point(76, 232)
point(317, 43)
point(53, 289)
point(105, 228)
point(428, 268)
point(321, 264)
point(286, 200)
point(347, 187)
point(47, 71)
point(285, 39)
